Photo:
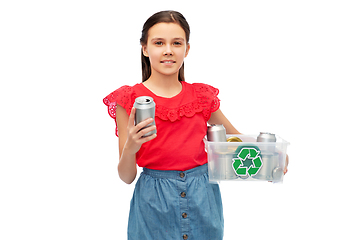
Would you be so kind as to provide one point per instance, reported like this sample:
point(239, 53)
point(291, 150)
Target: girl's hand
point(286, 164)
point(135, 139)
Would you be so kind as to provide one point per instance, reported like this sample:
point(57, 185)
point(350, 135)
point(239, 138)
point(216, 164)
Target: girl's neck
point(164, 86)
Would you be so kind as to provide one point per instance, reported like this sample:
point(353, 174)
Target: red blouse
point(181, 123)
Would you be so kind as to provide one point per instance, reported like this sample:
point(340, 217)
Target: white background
point(288, 67)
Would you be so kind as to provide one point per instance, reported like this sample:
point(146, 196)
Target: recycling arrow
point(247, 161)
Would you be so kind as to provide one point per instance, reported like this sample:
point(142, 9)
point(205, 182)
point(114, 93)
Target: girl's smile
point(168, 62)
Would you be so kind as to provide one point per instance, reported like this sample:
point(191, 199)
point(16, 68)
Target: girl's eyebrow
point(162, 39)
point(179, 39)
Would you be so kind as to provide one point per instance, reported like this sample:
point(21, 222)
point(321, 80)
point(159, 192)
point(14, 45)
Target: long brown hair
point(167, 17)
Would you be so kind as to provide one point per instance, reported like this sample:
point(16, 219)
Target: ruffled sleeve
point(124, 96)
point(208, 98)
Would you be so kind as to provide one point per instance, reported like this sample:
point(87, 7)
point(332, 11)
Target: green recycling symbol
point(247, 161)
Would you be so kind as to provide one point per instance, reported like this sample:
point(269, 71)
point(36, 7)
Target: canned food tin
point(145, 108)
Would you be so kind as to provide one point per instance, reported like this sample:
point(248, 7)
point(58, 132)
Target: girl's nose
point(168, 51)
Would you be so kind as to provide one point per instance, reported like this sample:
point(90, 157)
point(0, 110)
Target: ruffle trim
point(206, 102)
point(124, 96)
point(207, 98)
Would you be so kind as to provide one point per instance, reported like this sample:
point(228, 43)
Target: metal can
point(266, 137)
point(270, 169)
point(269, 140)
point(223, 158)
point(145, 108)
point(233, 139)
point(216, 133)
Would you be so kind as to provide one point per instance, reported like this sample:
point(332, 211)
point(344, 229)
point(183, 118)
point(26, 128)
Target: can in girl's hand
point(145, 108)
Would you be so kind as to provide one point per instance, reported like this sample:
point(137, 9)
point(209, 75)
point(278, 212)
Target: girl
point(172, 198)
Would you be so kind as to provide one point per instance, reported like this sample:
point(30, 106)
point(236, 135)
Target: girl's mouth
point(168, 62)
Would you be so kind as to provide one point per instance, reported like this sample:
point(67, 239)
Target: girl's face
point(166, 48)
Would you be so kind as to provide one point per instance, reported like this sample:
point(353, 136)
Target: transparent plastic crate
point(247, 160)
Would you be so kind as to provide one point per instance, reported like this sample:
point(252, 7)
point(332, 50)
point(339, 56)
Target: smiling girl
point(172, 198)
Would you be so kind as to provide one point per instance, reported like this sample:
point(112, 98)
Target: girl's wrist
point(127, 151)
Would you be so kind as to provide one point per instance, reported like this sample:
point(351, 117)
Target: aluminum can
point(266, 137)
point(233, 139)
point(145, 108)
point(216, 133)
point(223, 162)
point(270, 169)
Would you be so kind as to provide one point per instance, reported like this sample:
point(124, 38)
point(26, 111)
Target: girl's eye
point(177, 43)
point(158, 43)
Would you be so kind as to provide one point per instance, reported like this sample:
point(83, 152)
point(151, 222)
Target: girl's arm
point(219, 118)
point(130, 141)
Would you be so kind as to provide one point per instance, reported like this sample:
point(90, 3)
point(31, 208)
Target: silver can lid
point(267, 133)
point(144, 100)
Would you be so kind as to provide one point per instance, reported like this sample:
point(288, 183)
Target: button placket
point(184, 207)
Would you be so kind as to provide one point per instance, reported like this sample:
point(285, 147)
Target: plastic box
point(247, 160)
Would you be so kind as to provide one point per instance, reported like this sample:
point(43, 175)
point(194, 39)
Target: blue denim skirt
point(176, 205)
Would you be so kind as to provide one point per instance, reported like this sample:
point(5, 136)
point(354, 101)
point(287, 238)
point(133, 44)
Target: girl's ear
point(187, 49)
point(144, 49)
